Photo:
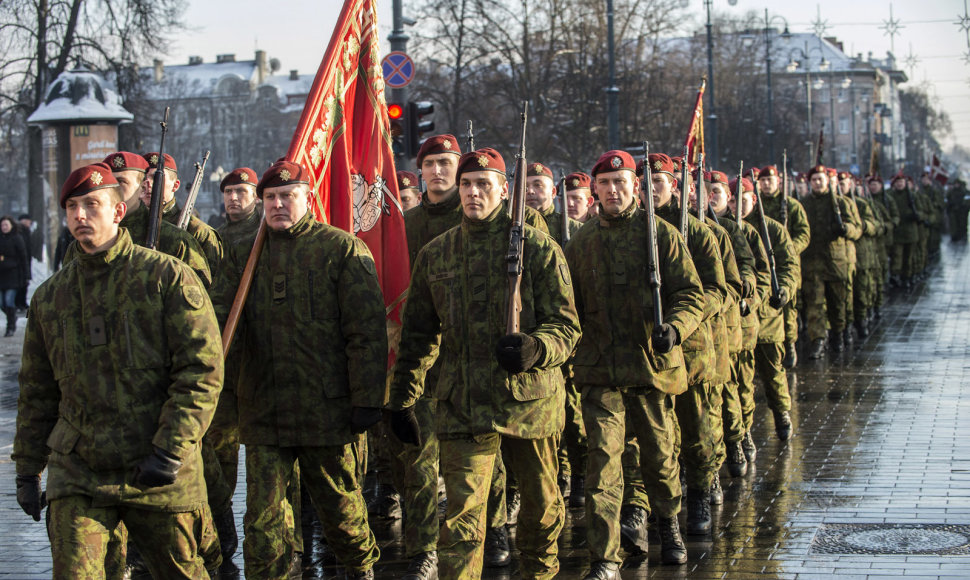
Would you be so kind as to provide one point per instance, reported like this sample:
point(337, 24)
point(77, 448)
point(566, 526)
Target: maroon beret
point(485, 159)
point(406, 179)
point(832, 172)
point(768, 171)
point(86, 179)
point(800, 178)
point(873, 177)
point(126, 161)
point(817, 169)
point(845, 175)
point(662, 163)
point(239, 176)
point(716, 177)
point(438, 144)
point(614, 160)
point(746, 184)
point(152, 159)
point(578, 180)
point(537, 169)
point(282, 172)
point(678, 165)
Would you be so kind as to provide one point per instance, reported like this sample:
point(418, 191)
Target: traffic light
point(395, 113)
point(416, 125)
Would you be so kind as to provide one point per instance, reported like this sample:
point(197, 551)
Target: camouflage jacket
point(608, 258)
point(907, 230)
point(313, 336)
point(553, 221)
point(202, 232)
point(121, 353)
point(428, 220)
point(729, 335)
point(872, 229)
point(751, 323)
point(797, 225)
point(787, 271)
point(242, 230)
point(171, 241)
point(458, 297)
point(829, 255)
point(890, 214)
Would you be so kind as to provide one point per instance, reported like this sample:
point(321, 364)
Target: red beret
point(577, 180)
point(438, 144)
point(152, 159)
point(678, 167)
point(800, 178)
point(716, 177)
point(661, 163)
point(126, 161)
point(537, 169)
point(614, 160)
point(282, 172)
point(832, 172)
point(873, 177)
point(845, 175)
point(406, 179)
point(86, 179)
point(485, 159)
point(746, 184)
point(768, 171)
point(817, 169)
point(239, 176)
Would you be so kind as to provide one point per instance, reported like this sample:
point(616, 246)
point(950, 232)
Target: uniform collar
point(442, 207)
point(121, 247)
point(496, 221)
point(612, 221)
point(296, 230)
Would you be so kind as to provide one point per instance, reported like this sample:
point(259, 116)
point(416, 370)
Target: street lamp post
point(823, 65)
point(612, 91)
point(712, 116)
point(771, 117)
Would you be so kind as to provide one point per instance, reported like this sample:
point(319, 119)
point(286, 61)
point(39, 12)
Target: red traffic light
point(395, 111)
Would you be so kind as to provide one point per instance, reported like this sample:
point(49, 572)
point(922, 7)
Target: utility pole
point(399, 42)
point(612, 91)
point(712, 110)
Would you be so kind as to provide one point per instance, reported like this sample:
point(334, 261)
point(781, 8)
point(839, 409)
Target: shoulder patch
point(194, 296)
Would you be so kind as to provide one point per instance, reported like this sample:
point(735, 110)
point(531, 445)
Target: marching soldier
point(906, 234)
point(863, 287)
point(624, 373)
point(495, 390)
point(885, 206)
point(579, 197)
point(119, 327)
point(539, 195)
point(407, 187)
point(957, 206)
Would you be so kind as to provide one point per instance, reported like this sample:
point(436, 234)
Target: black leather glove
point(404, 425)
point(517, 352)
point(158, 469)
point(779, 300)
point(362, 418)
point(747, 289)
point(31, 499)
point(843, 231)
point(664, 338)
point(745, 308)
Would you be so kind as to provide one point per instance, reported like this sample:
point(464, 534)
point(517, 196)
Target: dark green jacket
point(799, 230)
point(203, 233)
point(829, 255)
point(553, 221)
point(771, 320)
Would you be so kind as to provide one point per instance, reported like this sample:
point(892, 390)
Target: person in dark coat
point(24, 227)
point(14, 265)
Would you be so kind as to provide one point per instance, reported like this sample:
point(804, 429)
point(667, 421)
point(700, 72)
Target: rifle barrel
point(158, 182)
point(653, 260)
point(515, 256)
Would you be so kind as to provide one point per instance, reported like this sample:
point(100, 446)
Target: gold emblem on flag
point(285, 175)
point(118, 161)
point(96, 178)
point(483, 160)
point(616, 162)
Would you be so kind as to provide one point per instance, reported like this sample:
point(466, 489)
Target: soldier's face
point(93, 218)
point(747, 203)
point(847, 185)
point(169, 188)
point(768, 184)
point(615, 190)
point(285, 205)
point(577, 203)
point(663, 189)
point(874, 187)
point(899, 184)
point(410, 197)
point(481, 192)
point(820, 182)
point(539, 192)
point(129, 184)
point(438, 171)
point(801, 187)
point(717, 197)
point(239, 200)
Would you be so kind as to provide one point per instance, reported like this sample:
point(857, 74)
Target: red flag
point(695, 133)
point(937, 172)
point(344, 138)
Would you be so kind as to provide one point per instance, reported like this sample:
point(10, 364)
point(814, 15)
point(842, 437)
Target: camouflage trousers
point(467, 464)
point(503, 483)
point(824, 300)
point(745, 377)
point(700, 432)
point(223, 438)
point(173, 544)
point(416, 478)
point(572, 450)
point(333, 476)
point(863, 292)
point(790, 312)
point(606, 413)
point(732, 421)
point(849, 296)
point(904, 260)
point(767, 362)
point(634, 492)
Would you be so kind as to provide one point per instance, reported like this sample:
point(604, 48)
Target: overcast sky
point(928, 30)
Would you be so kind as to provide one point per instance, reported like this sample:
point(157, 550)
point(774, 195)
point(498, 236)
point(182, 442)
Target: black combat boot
point(737, 463)
point(717, 492)
point(835, 340)
point(497, 551)
point(750, 451)
point(228, 542)
point(513, 503)
point(791, 355)
point(424, 566)
point(633, 530)
point(698, 512)
point(603, 571)
point(367, 574)
point(672, 548)
point(385, 502)
point(876, 315)
point(782, 424)
point(818, 349)
point(862, 328)
point(577, 493)
point(847, 337)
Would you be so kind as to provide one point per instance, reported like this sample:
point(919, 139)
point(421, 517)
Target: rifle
point(186, 214)
point(784, 188)
point(470, 137)
point(701, 189)
point(653, 259)
point(565, 215)
point(737, 196)
point(835, 206)
point(767, 240)
point(684, 172)
point(158, 182)
point(514, 256)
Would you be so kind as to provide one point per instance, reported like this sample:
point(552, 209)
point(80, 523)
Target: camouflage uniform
point(863, 292)
point(314, 346)
point(826, 264)
point(122, 353)
point(751, 323)
point(851, 245)
point(800, 233)
point(617, 371)
point(925, 207)
point(203, 233)
point(906, 235)
point(885, 206)
point(456, 310)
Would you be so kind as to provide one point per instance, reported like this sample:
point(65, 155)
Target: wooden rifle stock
point(186, 214)
point(242, 292)
point(158, 182)
point(514, 256)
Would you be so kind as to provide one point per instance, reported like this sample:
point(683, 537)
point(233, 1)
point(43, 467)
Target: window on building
point(844, 125)
point(843, 156)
